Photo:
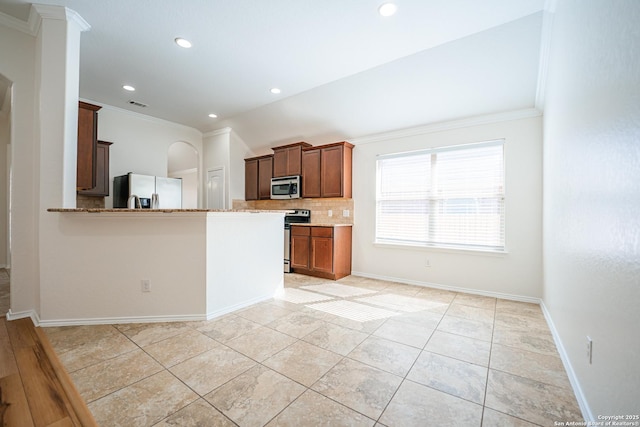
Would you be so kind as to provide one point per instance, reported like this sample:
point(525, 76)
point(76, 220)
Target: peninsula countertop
point(126, 210)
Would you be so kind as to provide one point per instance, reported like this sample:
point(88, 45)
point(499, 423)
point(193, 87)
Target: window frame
point(431, 202)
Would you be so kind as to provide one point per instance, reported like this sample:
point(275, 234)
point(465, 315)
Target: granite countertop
point(322, 224)
point(124, 210)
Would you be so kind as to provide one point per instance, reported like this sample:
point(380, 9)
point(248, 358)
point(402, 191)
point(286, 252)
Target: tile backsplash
point(89, 202)
point(319, 208)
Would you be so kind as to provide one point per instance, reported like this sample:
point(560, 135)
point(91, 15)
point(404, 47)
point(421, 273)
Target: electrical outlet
point(330, 212)
point(346, 213)
point(589, 350)
point(427, 262)
point(145, 285)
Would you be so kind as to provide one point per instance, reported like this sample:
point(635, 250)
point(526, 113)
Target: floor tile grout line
point(370, 333)
point(486, 383)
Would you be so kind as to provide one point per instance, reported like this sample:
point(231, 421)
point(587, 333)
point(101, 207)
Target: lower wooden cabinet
point(321, 251)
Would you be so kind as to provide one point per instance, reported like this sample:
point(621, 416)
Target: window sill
point(443, 249)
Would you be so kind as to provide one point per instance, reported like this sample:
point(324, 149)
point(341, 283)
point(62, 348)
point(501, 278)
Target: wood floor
point(35, 390)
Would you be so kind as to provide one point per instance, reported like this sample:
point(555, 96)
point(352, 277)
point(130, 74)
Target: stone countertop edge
point(124, 210)
point(324, 224)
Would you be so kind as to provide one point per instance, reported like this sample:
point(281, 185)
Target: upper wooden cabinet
point(326, 170)
point(287, 159)
point(87, 146)
point(102, 172)
point(257, 177)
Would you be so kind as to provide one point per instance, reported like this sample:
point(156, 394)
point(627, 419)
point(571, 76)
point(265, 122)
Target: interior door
point(215, 188)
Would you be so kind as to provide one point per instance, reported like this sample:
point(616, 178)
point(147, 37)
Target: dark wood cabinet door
point(299, 252)
point(322, 254)
point(280, 163)
point(311, 173)
point(102, 172)
point(87, 146)
point(331, 175)
point(265, 172)
point(294, 161)
point(287, 159)
point(251, 179)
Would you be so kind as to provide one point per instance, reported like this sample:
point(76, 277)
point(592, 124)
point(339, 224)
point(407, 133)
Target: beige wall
point(516, 273)
point(592, 198)
point(18, 51)
point(141, 143)
point(5, 139)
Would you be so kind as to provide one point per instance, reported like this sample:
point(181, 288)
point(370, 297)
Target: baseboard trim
point(239, 306)
point(501, 295)
point(22, 314)
point(121, 320)
point(573, 379)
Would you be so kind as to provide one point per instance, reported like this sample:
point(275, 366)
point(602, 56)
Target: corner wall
point(514, 274)
point(592, 198)
point(18, 52)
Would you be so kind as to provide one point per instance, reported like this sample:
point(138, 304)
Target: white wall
point(18, 52)
point(516, 273)
point(5, 139)
point(194, 262)
point(216, 146)
point(184, 163)
point(592, 197)
point(93, 277)
point(238, 151)
point(140, 143)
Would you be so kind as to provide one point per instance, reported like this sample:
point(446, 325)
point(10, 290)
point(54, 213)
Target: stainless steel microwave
point(286, 187)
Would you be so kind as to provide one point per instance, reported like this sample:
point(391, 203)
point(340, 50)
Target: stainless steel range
point(297, 216)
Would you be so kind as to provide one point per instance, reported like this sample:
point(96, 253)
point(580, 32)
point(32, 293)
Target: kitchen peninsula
point(142, 265)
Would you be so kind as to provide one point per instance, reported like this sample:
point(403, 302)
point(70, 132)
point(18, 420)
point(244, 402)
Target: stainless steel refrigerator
point(169, 190)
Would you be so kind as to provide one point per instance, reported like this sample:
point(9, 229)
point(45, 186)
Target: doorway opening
point(182, 162)
point(215, 189)
point(5, 192)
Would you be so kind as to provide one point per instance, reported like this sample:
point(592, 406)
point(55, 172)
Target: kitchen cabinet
point(287, 159)
point(326, 170)
point(257, 177)
point(87, 146)
point(321, 251)
point(101, 188)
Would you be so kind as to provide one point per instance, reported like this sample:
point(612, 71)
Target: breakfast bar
point(143, 265)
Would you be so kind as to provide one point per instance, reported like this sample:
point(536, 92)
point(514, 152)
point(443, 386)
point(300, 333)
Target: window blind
point(450, 197)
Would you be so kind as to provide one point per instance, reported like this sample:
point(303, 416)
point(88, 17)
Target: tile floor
point(4, 292)
point(357, 352)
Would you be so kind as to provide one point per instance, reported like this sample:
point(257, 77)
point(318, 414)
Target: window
point(446, 197)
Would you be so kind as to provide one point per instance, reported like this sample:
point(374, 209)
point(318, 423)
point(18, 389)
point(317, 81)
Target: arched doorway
point(182, 162)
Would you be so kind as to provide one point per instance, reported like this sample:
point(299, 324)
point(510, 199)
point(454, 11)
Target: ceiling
point(344, 71)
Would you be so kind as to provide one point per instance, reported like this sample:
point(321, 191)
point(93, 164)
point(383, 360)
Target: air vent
point(137, 104)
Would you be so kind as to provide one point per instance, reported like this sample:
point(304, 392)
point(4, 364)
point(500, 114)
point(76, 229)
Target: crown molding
point(449, 125)
point(136, 114)
point(545, 51)
point(59, 13)
point(223, 131)
point(28, 27)
point(37, 13)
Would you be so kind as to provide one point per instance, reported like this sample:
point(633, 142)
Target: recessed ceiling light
point(275, 90)
point(213, 116)
point(183, 43)
point(387, 9)
point(129, 88)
